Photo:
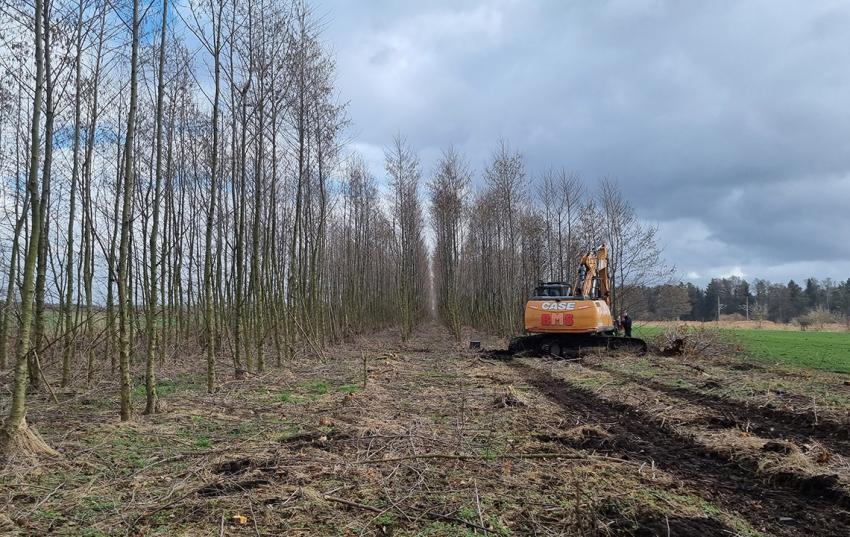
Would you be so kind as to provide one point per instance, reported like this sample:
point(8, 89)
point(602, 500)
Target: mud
point(223, 489)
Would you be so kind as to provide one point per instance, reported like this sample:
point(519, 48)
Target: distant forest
point(815, 301)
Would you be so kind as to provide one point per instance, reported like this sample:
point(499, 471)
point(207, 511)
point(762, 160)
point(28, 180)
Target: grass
point(385, 519)
point(312, 391)
point(348, 388)
point(318, 387)
point(828, 351)
point(288, 432)
point(646, 331)
point(287, 396)
point(167, 387)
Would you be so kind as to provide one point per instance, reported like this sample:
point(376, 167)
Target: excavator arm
point(602, 274)
point(593, 268)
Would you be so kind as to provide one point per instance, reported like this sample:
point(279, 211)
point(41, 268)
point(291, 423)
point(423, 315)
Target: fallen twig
point(40, 502)
point(350, 503)
point(478, 505)
point(477, 457)
point(43, 378)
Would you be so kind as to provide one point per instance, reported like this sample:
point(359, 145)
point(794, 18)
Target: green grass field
point(829, 351)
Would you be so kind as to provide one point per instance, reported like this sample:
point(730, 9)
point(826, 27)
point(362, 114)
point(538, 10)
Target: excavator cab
point(552, 290)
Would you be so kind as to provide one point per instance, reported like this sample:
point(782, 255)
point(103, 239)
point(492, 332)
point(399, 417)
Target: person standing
point(626, 322)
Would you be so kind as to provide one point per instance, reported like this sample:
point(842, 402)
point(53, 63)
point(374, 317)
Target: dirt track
point(443, 441)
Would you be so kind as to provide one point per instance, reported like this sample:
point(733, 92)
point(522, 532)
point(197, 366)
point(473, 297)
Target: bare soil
point(442, 440)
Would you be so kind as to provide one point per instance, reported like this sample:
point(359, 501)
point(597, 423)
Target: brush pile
point(683, 340)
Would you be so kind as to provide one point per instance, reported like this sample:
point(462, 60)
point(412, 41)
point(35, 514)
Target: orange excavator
point(563, 319)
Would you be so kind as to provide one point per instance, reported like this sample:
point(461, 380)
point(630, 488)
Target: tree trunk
point(124, 303)
point(16, 439)
point(150, 320)
point(69, 331)
point(44, 222)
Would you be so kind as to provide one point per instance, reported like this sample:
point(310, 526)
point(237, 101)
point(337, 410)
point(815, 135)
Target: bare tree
point(402, 166)
point(152, 291)
point(635, 255)
point(68, 320)
point(214, 45)
point(448, 193)
point(508, 184)
point(16, 438)
point(571, 191)
point(124, 304)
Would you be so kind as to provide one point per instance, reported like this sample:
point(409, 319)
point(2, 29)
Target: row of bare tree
point(173, 182)
point(492, 247)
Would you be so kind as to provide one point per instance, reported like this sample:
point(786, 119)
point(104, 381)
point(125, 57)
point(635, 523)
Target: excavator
point(564, 320)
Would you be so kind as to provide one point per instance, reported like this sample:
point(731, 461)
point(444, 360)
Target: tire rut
point(711, 475)
point(766, 422)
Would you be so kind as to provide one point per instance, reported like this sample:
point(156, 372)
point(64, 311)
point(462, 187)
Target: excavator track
point(574, 346)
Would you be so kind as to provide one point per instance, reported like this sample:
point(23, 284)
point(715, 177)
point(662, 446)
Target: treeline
point(735, 298)
point(494, 244)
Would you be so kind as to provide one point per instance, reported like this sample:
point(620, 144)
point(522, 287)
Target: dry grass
point(748, 325)
point(439, 442)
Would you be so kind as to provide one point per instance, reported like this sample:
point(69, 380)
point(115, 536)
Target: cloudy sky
point(727, 123)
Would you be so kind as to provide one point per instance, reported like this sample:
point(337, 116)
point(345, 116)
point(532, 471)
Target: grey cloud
point(731, 116)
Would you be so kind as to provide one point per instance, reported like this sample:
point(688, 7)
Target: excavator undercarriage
point(575, 346)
